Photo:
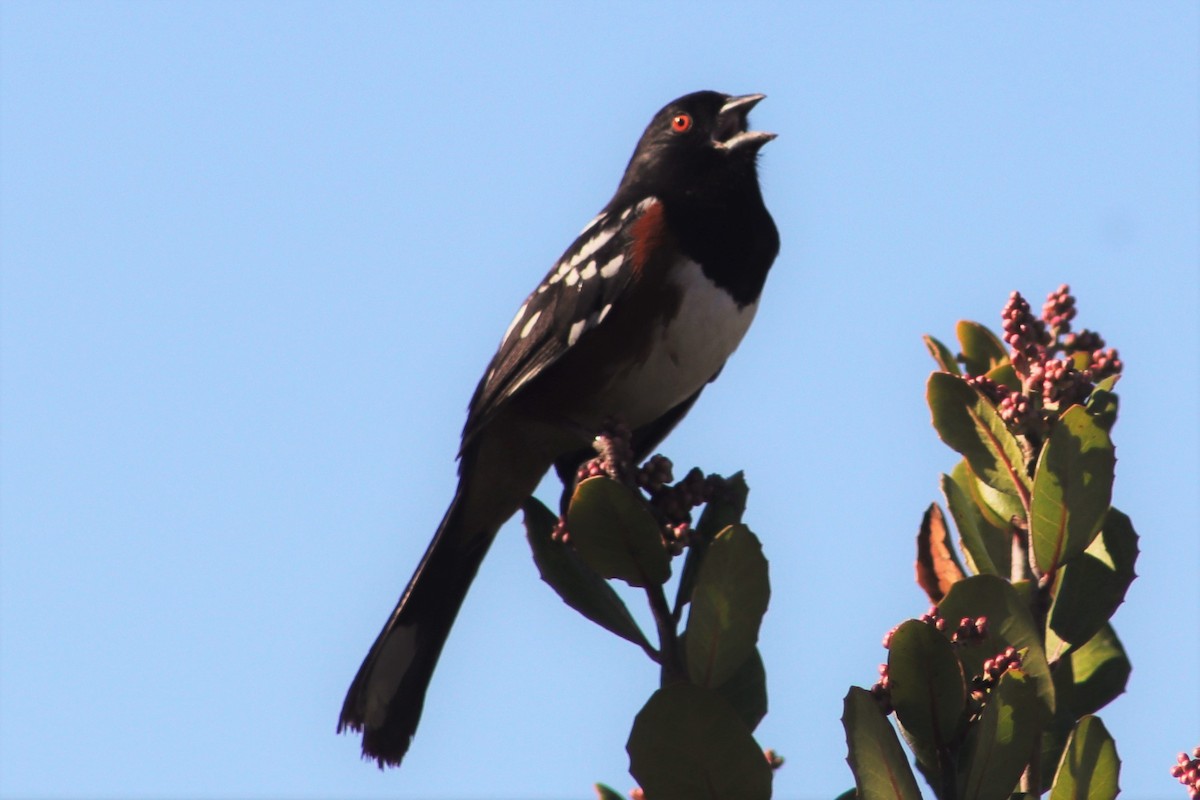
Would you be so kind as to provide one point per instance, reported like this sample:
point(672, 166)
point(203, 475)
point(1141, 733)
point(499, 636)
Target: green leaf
point(988, 499)
point(746, 690)
point(969, 423)
point(575, 582)
point(1090, 768)
point(1006, 507)
point(1000, 743)
point(728, 603)
point(1054, 740)
point(1072, 488)
point(607, 793)
point(1009, 625)
point(1006, 376)
point(928, 691)
point(1093, 676)
point(719, 514)
point(941, 355)
point(881, 771)
point(1090, 588)
point(987, 547)
point(688, 744)
point(1103, 407)
point(613, 530)
point(981, 350)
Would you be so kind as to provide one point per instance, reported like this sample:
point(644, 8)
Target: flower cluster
point(1059, 310)
point(1024, 333)
point(673, 502)
point(882, 692)
point(1056, 367)
point(1187, 771)
point(614, 448)
point(655, 474)
point(1060, 384)
point(993, 669)
point(969, 631)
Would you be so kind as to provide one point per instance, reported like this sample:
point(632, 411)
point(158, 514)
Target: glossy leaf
point(927, 688)
point(607, 793)
point(1090, 768)
point(1103, 406)
point(969, 423)
point(981, 350)
point(1072, 488)
point(719, 514)
point(1005, 507)
point(937, 564)
point(876, 758)
point(1090, 588)
point(746, 690)
point(575, 582)
point(1093, 676)
point(1054, 740)
point(688, 744)
point(1006, 376)
point(1009, 625)
point(941, 355)
point(1001, 742)
point(987, 548)
point(615, 533)
point(728, 603)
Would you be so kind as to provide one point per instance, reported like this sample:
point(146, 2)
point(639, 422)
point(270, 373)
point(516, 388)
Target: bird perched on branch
point(630, 324)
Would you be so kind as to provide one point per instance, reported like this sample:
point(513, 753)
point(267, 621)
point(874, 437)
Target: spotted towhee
point(638, 314)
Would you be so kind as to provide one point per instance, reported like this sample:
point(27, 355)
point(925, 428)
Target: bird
point(630, 325)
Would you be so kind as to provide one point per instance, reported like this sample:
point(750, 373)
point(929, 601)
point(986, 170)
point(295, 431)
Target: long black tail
point(386, 697)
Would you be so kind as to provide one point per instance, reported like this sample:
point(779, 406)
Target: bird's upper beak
point(731, 134)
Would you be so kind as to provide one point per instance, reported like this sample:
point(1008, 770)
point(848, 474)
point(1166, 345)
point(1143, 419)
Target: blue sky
point(256, 255)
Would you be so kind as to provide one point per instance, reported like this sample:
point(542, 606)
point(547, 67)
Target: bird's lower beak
point(731, 133)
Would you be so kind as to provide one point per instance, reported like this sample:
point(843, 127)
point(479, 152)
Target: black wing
point(574, 297)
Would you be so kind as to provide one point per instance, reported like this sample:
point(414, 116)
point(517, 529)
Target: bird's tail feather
point(386, 697)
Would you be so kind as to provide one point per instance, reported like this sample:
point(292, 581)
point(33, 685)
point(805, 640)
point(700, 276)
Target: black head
point(692, 143)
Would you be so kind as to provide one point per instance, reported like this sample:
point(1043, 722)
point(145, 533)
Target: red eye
point(681, 123)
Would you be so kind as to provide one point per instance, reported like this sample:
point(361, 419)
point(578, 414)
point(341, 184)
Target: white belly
point(689, 350)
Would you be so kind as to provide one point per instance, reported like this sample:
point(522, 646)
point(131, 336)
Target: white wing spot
point(529, 325)
point(589, 271)
point(612, 267)
point(576, 331)
point(591, 224)
point(603, 313)
point(592, 245)
point(516, 319)
point(562, 270)
point(572, 278)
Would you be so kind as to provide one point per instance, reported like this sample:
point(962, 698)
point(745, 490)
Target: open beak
point(731, 134)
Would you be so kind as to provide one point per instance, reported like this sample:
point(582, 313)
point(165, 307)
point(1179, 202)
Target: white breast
point(689, 349)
